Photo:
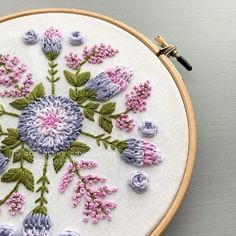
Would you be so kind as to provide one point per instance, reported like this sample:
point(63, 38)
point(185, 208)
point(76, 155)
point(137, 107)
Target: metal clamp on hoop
point(171, 50)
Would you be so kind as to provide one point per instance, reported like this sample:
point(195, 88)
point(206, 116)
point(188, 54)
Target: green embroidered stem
point(52, 72)
point(2, 201)
point(105, 140)
point(41, 208)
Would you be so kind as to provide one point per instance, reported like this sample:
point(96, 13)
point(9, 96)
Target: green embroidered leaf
point(43, 179)
point(36, 93)
point(23, 154)
point(20, 104)
point(70, 77)
point(12, 137)
point(108, 108)
point(79, 80)
point(105, 122)
point(2, 110)
point(82, 78)
point(121, 146)
point(42, 189)
point(11, 175)
point(41, 200)
point(42, 210)
point(59, 160)
point(73, 94)
point(78, 148)
point(92, 106)
point(6, 151)
point(27, 179)
point(89, 114)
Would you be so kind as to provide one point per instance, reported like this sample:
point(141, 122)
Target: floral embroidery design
point(139, 181)
point(52, 125)
point(148, 129)
point(12, 72)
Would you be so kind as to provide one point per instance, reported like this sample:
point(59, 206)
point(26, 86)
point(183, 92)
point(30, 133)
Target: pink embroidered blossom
point(12, 72)
point(96, 207)
point(73, 61)
point(97, 53)
point(123, 122)
point(53, 32)
point(136, 100)
point(16, 202)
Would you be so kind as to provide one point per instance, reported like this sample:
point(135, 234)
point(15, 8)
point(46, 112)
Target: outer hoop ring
point(180, 85)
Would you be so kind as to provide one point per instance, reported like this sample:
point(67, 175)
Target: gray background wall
point(205, 32)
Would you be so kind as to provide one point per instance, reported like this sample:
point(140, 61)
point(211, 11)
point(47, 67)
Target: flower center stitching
point(50, 124)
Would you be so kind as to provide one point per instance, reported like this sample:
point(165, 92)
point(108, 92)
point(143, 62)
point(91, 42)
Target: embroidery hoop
point(180, 85)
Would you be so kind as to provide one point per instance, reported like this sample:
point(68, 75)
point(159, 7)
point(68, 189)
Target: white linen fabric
point(136, 214)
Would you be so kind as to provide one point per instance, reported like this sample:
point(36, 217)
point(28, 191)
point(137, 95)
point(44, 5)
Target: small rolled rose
point(138, 181)
point(8, 230)
point(30, 37)
point(148, 129)
point(69, 233)
point(76, 38)
point(3, 163)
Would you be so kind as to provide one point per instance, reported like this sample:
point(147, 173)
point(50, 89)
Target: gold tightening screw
point(171, 50)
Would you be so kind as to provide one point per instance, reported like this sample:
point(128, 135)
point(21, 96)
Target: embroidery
point(30, 37)
point(123, 122)
point(37, 225)
point(51, 47)
point(8, 230)
point(141, 153)
point(95, 206)
point(76, 38)
point(148, 129)
point(136, 100)
point(12, 72)
point(51, 125)
point(3, 163)
point(69, 233)
point(138, 181)
point(16, 202)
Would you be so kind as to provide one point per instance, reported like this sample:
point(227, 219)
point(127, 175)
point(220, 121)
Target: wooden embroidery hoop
point(180, 85)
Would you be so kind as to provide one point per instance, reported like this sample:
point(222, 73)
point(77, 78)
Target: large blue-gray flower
point(8, 230)
point(69, 233)
point(51, 47)
point(141, 153)
point(36, 225)
point(50, 124)
point(3, 163)
point(30, 37)
point(76, 38)
point(109, 83)
point(138, 181)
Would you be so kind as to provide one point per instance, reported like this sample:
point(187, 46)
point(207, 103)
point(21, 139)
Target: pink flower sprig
point(16, 202)
point(73, 61)
point(97, 53)
point(123, 122)
point(96, 207)
point(12, 71)
point(136, 100)
point(94, 55)
point(52, 32)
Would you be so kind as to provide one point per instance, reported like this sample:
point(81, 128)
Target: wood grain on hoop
point(180, 85)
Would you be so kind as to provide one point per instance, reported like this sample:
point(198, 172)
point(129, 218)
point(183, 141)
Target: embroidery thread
point(139, 181)
point(30, 37)
point(76, 38)
point(148, 129)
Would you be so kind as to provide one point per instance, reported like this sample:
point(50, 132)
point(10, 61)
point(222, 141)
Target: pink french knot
point(136, 100)
point(16, 202)
point(12, 72)
point(96, 207)
point(123, 122)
